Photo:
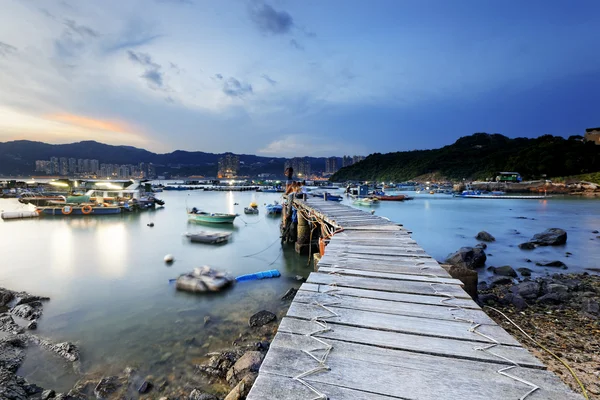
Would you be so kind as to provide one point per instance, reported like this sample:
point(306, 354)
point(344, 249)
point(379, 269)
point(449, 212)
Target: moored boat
point(208, 237)
point(327, 196)
point(386, 197)
point(275, 208)
point(196, 215)
point(251, 209)
point(86, 209)
point(368, 201)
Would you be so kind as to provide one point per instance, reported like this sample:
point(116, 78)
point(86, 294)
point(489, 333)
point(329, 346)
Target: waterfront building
point(592, 135)
point(229, 165)
point(331, 165)
point(301, 166)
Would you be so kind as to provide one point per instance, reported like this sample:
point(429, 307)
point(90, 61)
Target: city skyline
point(289, 79)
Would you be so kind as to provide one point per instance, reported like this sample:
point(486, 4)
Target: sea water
point(110, 290)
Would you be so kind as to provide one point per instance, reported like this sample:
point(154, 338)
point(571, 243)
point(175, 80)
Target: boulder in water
point(468, 257)
point(550, 237)
point(505, 270)
point(485, 237)
point(261, 318)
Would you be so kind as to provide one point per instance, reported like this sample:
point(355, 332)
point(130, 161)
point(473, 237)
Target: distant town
point(228, 168)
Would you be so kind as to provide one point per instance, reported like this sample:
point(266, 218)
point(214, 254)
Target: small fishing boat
point(208, 237)
point(386, 197)
point(79, 209)
point(275, 208)
point(196, 215)
point(251, 209)
point(368, 201)
point(327, 196)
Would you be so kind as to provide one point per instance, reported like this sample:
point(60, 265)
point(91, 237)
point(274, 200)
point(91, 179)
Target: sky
point(295, 78)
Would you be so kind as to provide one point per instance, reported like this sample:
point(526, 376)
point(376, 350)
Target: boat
point(208, 237)
point(251, 209)
point(387, 197)
point(41, 199)
point(274, 208)
point(196, 215)
point(80, 209)
point(368, 201)
point(271, 189)
point(327, 196)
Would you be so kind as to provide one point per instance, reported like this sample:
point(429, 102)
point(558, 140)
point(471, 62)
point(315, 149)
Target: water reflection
point(111, 247)
point(62, 256)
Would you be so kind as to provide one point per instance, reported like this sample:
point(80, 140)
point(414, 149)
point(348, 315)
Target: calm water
point(109, 285)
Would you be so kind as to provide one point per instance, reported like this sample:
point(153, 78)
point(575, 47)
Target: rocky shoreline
point(227, 374)
point(559, 311)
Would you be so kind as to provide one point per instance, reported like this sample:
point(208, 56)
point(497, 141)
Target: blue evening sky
point(287, 78)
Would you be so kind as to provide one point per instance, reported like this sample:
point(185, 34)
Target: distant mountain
point(481, 156)
point(18, 158)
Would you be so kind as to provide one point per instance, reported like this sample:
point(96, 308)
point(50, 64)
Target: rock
point(556, 288)
point(12, 353)
point(557, 264)
point(550, 298)
point(241, 390)
point(524, 271)
point(32, 325)
point(550, 237)
point(206, 319)
point(595, 231)
point(528, 260)
point(29, 311)
point(220, 363)
point(106, 387)
point(145, 387)
point(6, 297)
point(527, 246)
point(590, 306)
point(516, 300)
point(289, 295)
point(264, 345)
point(66, 350)
point(467, 276)
point(467, 257)
point(12, 387)
point(261, 318)
point(8, 324)
point(48, 394)
point(485, 237)
point(151, 224)
point(197, 394)
point(481, 246)
point(527, 290)
point(500, 280)
point(249, 362)
point(505, 270)
point(300, 278)
point(488, 299)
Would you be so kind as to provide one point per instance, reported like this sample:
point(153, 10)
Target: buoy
point(169, 258)
point(151, 224)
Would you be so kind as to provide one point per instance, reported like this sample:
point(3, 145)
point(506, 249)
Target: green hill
point(481, 156)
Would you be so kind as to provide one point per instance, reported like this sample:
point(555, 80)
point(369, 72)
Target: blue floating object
point(273, 273)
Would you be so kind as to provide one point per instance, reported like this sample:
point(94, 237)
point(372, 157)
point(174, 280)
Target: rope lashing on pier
point(487, 349)
point(571, 371)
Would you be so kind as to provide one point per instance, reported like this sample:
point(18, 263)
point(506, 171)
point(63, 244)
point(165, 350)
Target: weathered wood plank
point(401, 323)
point(388, 275)
point(420, 344)
point(270, 386)
point(392, 296)
point(344, 258)
point(403, 268)
point(388, 285)
point(393, 307)
point(408, 375)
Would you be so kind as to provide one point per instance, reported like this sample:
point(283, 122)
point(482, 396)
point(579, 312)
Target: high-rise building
point(356, 159)
point(229, 165)
point(64, 166)
point(55, 165)
point(331, 165)
point(86, 165)
point(94, 166)
point(80, 168)
point(301, 166)
point(346, 161)
point(72, 166)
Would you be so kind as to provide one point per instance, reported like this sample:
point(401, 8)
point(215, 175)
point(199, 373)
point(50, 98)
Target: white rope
point(494, 343)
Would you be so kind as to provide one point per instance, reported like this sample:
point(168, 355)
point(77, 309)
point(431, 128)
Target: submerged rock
point(557, 264)
point(550, 237)
point(261, 318)
point(467, 276)
point(505, 270)
point(197, 394)
point(485, 237)
point(481, 246)
point(290, 294)
point(106, 387)
point(527, 246)
point(524, 271)
point(500, 280)
point(467, 257)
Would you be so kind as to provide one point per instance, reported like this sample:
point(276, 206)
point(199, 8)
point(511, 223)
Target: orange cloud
point(91, 123)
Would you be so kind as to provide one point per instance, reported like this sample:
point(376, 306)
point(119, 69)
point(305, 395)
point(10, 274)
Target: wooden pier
point(382, 320)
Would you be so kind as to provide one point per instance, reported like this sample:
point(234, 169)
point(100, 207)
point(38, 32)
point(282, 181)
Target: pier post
point(303, 236)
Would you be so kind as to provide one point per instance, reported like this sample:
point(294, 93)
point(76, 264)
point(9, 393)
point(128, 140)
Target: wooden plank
point(386, 275)
point(408, 375)
point(401, 323)
point(388, 285)
point(393, 307)
point(404, 297)
point(278, 387)
point(415, 343)
point(404, 268)
point(379, 250)
point(416, 260)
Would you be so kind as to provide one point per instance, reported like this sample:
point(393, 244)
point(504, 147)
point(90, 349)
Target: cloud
point(82, 30)
point(234, 88)
point(6, 49)
point(269, 20)
point(135, 33)
point(152, 74)
point(269, 79)
point(90, 123)
point(219, 76)
point(304, 145)
point(296, 45)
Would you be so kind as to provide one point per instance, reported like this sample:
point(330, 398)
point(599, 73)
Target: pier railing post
point(303, 236)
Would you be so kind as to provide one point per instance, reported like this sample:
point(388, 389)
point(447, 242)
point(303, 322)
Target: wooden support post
point(303, 237)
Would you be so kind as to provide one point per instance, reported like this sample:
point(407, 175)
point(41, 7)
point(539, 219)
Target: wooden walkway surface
point(382, 320)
